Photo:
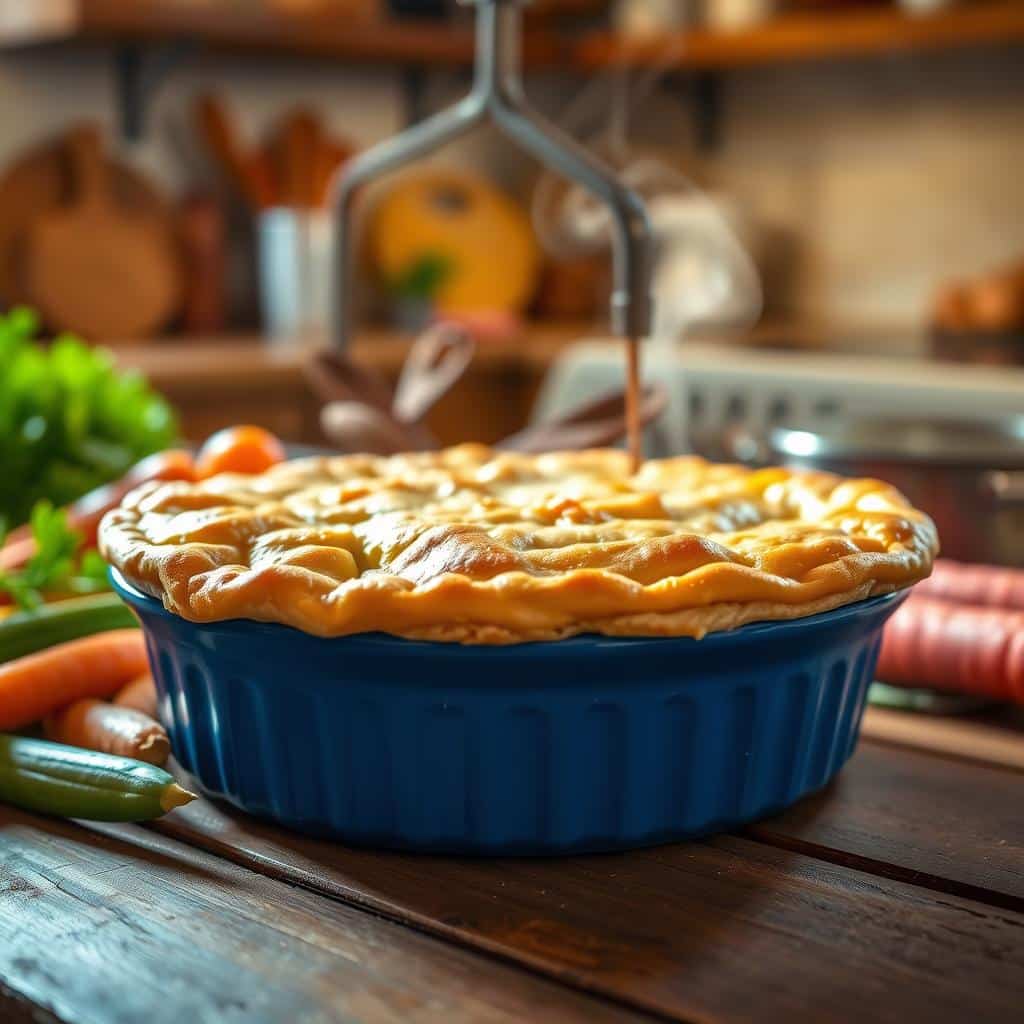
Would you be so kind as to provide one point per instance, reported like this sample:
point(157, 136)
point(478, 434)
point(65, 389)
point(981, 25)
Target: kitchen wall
point(895, 173)
point(886, 176)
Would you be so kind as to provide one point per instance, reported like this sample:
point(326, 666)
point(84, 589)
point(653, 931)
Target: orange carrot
point(97, 725)
point(38, 684)
point(995, 586)
point(243, 449)
point(962, 648)
point(139, 694)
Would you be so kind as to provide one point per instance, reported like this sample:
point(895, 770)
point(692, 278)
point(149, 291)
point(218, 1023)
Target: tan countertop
point(235, 361)
point(244, 378)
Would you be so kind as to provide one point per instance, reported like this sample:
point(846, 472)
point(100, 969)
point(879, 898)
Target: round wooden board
point(40, 182)
point(484, 239)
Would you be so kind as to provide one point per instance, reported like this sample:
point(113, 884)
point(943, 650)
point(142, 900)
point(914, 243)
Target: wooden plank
point(265, 28)
point(721, 930)
point(872, 30)
point(95, 928)
point(945, 824)
point(996, 740)
point(861, 32)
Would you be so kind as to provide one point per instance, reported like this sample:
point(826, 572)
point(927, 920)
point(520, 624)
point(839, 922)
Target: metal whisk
point(497, 92)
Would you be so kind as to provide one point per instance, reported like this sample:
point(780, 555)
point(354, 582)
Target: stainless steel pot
point(968, 476)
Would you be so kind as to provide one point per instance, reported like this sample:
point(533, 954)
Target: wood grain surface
point(97, 928)
point(991, 738)
point(944, 824)
point(722, 930)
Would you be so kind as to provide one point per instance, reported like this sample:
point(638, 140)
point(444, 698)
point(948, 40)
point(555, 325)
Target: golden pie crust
point(479, 546)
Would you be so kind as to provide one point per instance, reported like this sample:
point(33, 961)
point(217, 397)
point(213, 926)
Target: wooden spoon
point(435, 363)
point(356, 414)
point(249, 172)
point(95, 268)
point(595, 424)
point(336, 378)
point(358, 427)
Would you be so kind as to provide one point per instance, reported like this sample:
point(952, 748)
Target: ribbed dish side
point(506, 770)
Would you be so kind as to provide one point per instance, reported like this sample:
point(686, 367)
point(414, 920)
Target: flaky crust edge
point(690, 622)
point(478, 614)
point(194, 582)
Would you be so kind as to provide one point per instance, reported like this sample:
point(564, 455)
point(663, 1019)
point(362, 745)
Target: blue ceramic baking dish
point(592, 743)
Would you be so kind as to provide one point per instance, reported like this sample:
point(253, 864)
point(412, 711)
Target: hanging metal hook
point(497, 93)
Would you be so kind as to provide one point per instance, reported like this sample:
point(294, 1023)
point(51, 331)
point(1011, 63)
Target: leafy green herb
point(55, 566)
point(423, 277)
point(69, 419)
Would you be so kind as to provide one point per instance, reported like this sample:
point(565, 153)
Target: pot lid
point(992, 444)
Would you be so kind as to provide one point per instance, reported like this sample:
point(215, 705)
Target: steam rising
point(703, 274)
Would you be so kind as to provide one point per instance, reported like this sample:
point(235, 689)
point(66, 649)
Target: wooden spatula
point(96, 269)
point(294, 151)
point(248, 171)
point(330, 155)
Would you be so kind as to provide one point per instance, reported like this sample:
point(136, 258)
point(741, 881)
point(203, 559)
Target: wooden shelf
point(252, 27)
point(811, 37)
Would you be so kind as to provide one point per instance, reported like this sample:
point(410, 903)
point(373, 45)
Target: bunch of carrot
point(962, 630)
point(67, 687)
point(93, 688)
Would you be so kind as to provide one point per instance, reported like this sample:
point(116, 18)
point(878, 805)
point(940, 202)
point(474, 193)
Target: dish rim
point(751, 632)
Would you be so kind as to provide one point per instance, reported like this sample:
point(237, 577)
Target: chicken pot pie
point(479, 546)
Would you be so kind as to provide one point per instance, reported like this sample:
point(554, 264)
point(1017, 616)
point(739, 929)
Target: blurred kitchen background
point(835, 186)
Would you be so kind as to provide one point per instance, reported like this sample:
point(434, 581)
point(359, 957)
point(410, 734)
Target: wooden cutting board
point(95, 267)
point(39, 182)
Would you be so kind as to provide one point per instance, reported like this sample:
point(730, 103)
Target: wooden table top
point(895, 895)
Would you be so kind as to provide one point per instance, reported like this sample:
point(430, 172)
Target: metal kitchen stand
point(497, 93)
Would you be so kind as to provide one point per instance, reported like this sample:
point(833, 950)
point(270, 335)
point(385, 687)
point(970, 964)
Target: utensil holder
point(294, 272)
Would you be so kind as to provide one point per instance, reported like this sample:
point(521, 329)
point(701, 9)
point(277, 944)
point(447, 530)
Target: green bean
point(27, 632)
point(73, 783)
